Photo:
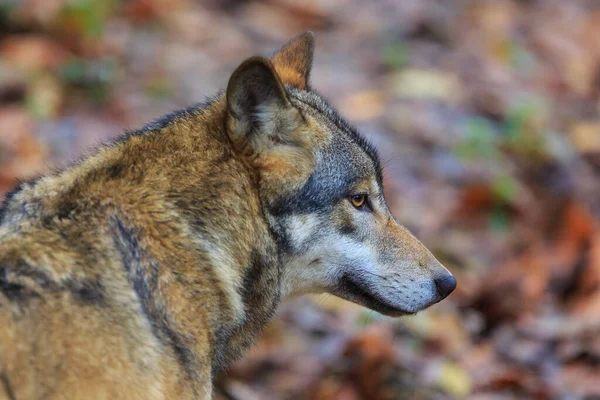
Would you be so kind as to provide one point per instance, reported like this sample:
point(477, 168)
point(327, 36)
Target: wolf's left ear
point(263, 124)
point(259, 112)
point(293, 61)
point(255, 97)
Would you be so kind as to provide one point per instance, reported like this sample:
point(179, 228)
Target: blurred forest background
point(486, 113)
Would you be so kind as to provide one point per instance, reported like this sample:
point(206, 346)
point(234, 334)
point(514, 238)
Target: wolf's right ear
point(293, 61)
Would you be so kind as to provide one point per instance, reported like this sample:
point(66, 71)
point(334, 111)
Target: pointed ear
point(264, 126)
point(293, 61)
point(256, 99)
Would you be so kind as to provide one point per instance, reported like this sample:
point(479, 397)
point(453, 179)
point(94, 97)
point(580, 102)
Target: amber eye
point(358, 200)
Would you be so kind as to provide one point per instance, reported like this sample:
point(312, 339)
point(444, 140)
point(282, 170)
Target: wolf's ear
point(256, 99)
point(259, 112)
point(294, 60)
point(263, 124)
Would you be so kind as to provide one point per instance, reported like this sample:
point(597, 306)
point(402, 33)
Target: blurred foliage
point(93, 77)
point(86, 17)
point(395, 54)
point(480, 141)
point(522, 130)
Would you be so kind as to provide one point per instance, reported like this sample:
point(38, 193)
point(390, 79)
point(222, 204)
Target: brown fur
point(70, 320)
point(76, 307)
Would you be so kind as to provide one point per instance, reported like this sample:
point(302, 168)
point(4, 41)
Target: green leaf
point(395, 55)
point(499, 220)
point(89, 16)
point(505, 188)
point(480, 141)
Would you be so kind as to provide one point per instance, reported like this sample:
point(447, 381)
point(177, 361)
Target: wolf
point(145, 268)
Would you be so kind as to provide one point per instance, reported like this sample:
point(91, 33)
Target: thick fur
point(144, 269)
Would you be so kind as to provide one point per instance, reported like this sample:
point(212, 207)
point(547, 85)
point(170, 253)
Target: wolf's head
point(321, 188)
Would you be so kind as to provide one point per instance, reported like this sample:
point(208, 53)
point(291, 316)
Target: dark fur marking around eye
point(311, 198)
point(316, 196)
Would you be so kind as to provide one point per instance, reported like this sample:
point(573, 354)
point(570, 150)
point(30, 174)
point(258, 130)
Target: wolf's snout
point(445, 285)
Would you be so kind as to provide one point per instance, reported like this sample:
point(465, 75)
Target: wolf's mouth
point(357, 293)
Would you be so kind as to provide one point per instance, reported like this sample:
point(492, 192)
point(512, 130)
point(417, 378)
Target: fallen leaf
point(454, 380)
point(581, 379)
point(32, 52)
point(585, 136)
point(427, 84)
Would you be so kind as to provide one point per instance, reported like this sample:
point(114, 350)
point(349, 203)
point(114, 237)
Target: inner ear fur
point(254, 90)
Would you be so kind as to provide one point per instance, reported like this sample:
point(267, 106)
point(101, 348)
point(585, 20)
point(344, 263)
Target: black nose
point(445, 285)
